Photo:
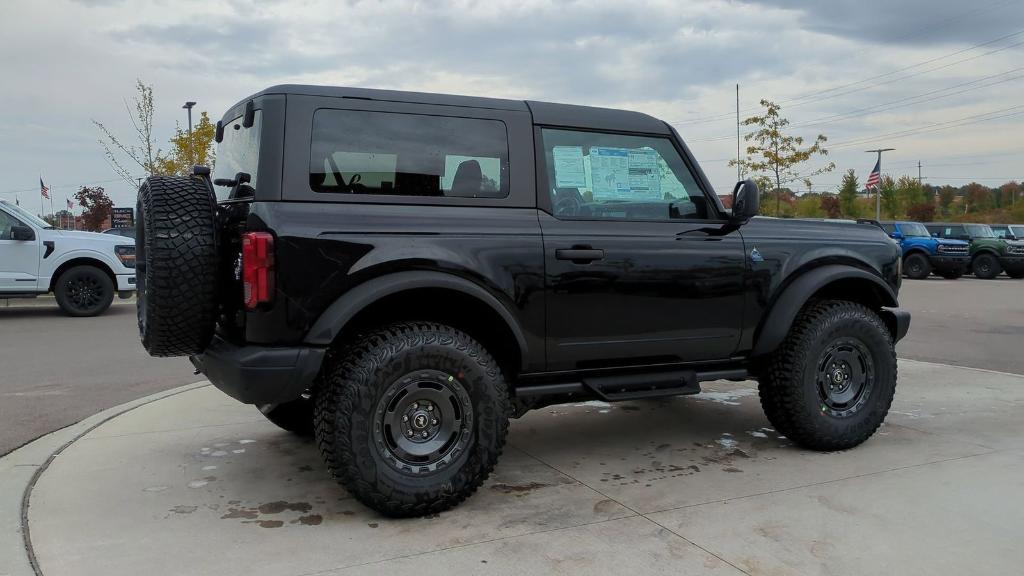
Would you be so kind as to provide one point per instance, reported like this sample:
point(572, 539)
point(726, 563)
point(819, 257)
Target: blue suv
point(923, 253)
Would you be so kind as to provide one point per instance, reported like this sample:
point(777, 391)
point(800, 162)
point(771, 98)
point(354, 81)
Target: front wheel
point(917, 267)
point(986, 266)
point(412, 417)
point(830, 384)
point(84, 291)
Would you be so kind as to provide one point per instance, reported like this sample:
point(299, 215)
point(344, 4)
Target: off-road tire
point(176, 265)
point(84, 291)
point(354, 382)
point(986, 266)
point(917, 266)
point(295, 416)
point(789, 388)
point(951, 274)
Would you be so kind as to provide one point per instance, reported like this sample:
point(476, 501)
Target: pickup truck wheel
point(831, 383)
point(917, 267)
point(84, 291)
point(176, 265)
point(411, 418)
point(986, 266)
point(295, 416)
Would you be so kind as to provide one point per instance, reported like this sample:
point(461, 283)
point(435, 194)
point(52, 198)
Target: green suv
point(990, 254)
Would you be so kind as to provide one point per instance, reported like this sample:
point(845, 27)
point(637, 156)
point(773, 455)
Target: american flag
point(43, 189)
point(71, 205)
point(875, 177)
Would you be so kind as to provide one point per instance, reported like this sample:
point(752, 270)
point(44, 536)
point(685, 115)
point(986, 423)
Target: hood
point(94, 237)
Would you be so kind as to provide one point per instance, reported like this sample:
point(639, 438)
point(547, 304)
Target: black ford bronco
point(400, 273)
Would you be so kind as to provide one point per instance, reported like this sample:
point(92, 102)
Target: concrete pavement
point(195, 483)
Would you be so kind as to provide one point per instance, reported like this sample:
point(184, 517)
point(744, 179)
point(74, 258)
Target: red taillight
point(257, 268)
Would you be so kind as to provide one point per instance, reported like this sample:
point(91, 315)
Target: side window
point(6, 222)
point(954, 232)
point(357, 152)
point(595, 175)
point(888, 227)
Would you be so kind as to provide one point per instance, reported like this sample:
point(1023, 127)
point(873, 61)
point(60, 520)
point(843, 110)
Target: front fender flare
point(331, 322)
point(780, 318)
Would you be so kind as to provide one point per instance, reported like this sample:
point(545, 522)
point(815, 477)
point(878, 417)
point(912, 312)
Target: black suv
point(400, 273)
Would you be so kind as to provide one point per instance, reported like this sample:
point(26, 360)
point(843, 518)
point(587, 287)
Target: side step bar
point(612, 388)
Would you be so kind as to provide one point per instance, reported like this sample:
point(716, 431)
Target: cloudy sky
point(940, 80)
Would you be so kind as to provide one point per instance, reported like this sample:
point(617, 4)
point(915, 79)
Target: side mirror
point(23, 233)
point(746, 201)
point(896, 235)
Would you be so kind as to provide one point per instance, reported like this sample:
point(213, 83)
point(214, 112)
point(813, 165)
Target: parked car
point(84, 270)
point(403, 272)
point(990, 254)
point(924, 254)
point(126, 232)
point(1009, 231)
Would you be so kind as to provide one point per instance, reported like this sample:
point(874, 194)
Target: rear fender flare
point(332, 321)
point(779, 319)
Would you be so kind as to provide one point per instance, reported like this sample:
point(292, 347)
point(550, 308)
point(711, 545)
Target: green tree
point(777, 155)
point(1009, 192)
point(145, 154)
point(947, 195)
point(978, 198)
point(848, 194)
point(188, 150)
point(888, 198)
point(909, 192)
point(96, 205)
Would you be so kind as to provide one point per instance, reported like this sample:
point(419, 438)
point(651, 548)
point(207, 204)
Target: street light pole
point(191, 145)
point(878, 196)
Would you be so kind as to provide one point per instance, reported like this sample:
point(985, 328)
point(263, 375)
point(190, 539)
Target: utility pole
point(739, 172)
point(920, 181)
point(878, 166)
point(191, 145)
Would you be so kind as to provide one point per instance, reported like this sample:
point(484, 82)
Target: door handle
point(579, 254)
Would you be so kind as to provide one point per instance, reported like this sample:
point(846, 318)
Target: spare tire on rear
point(176, 265)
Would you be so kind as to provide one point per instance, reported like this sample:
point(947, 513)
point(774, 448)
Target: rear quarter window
point(360, 152)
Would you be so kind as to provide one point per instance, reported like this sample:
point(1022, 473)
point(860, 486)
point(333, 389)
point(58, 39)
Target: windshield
point(239, 151)
point(914, 229)
point(980, 231)
point(25, 215)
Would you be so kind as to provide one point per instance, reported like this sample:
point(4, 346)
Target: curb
point(20, 470)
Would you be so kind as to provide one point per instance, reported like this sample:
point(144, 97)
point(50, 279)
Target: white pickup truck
point(84, 270)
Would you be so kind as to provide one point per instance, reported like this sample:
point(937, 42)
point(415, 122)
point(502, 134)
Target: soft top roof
point(544, 113)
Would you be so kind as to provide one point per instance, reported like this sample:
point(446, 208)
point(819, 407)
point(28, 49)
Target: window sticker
point(569, 171)
point(609, 171)
point(644, 174)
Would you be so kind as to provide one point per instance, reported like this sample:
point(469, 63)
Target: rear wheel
point(176, 265)
point(986, 266)
point(412, 418)
point(917, 266)
point(830, 384)
point(84, 291)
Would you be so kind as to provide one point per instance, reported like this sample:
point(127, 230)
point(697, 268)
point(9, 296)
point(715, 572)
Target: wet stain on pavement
point(518, 489)
point(281, 506)
point(184, 509)
point(246, 513)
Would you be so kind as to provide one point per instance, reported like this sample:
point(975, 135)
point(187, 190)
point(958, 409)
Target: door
point(636, 272)
point(19, 259)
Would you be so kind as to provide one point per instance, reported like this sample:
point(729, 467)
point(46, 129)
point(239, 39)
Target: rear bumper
point(898, 321)
point(950, 263)
point(259, 374)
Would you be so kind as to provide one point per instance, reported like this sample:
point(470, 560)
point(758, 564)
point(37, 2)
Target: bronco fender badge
point(755, 256)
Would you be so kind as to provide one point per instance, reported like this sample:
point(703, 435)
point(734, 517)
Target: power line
point(936, 126)
point(56, 186)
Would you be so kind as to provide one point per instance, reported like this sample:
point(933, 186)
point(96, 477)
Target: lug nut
point(430, 407)
point(415, 405)
point(424, 434)
point(405, 418)
point(408, 433)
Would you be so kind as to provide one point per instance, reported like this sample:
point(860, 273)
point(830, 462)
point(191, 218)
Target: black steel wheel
point(411, 418)
point(829, 386)
point(986, 266)
point(917, 266)
point(84, 291)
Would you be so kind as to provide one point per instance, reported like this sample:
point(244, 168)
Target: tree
point(96, 207)
point(887, 196)
point(831, 206)
point(145, 154)
point(923, 212)
point(1010, 191)
point(977, 197)
point(848, 194)
point(947, 194)
point(188, 151)
point(777, 155)
point(909, 192)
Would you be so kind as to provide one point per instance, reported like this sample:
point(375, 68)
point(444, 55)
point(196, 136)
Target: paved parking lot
point(196, 483)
